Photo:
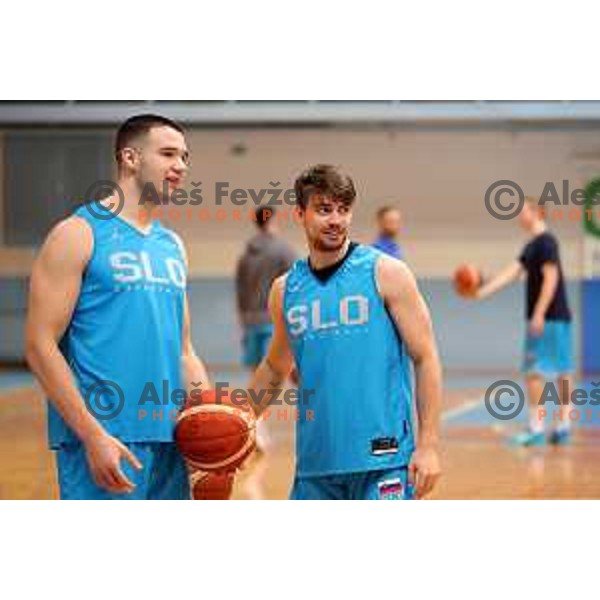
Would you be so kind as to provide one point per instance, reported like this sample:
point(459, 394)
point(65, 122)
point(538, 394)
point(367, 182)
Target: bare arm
point(194, 371)
point(506, 276)
point(277, 364)
point(398, 288)
point(53, 293)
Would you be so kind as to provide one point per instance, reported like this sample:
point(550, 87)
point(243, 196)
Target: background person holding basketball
point(108, 303)
point(548, 342)
point(351, 318)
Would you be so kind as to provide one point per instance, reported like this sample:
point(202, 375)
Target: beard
point(324, 243)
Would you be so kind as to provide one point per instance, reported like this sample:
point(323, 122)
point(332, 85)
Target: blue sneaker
point(561, 437)
point(528, 438)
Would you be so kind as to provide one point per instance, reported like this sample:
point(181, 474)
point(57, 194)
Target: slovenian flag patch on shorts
point(392, 489)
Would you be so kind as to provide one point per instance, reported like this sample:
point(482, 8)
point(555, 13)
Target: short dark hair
point(327, 181)
point(140, 125)
point(386, 209)
point(263, 214)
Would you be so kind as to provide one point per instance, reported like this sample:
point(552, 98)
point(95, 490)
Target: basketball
point(215, 485)
point(467, 280)
point(214, 434)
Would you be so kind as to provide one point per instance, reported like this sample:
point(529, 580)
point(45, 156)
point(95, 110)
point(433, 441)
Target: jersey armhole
point(284, 296)
point(93, 249)
point(374, 271)
point(284, 282)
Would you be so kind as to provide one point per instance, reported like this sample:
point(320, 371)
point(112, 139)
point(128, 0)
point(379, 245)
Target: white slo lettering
point(176, 272)
point(363, 310)
point(352, 311)
point(297, 320)
point(121, 262)
point(147, 265)
point(130, 267)
point(316, 317)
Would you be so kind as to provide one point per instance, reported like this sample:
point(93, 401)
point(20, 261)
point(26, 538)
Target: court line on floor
point(466, 407)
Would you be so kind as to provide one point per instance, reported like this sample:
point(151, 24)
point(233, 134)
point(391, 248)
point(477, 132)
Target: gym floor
point(478, 461)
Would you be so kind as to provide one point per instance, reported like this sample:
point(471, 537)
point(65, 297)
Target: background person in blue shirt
point(389, 222)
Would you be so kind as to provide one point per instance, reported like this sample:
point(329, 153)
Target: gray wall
point(46, 176)
point(437, 175)
point(483, 336)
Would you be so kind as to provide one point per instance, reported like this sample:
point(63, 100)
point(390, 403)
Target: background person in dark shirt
point(548, 343)
point(266, 256)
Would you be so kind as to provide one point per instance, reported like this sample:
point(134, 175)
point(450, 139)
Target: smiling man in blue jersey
point(353, 320)
point(108, 304)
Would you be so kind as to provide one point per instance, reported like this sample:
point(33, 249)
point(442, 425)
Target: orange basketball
point(211, 485)
point(467, 280)
point(214, 434)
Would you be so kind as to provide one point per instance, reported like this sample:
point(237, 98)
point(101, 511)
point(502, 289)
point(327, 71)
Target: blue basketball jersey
point(353, 368)
point(126, 329)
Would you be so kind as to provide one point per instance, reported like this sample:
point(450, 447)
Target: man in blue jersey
point(353, 319)
point(108, 329)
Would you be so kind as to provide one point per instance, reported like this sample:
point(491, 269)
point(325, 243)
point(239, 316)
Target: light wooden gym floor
point(478, 463)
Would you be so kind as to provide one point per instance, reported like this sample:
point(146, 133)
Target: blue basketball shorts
point(163, 475)
point(386, 484)
point(551, 353)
